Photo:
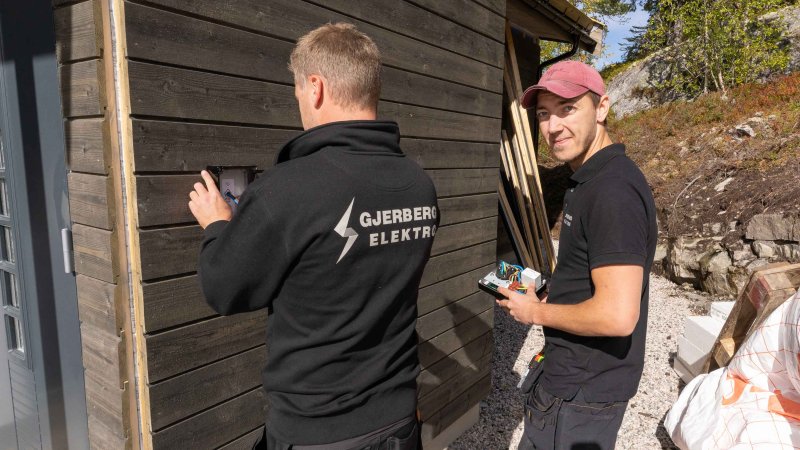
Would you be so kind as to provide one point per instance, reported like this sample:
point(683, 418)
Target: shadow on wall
point(502, 411)
point(446, 376)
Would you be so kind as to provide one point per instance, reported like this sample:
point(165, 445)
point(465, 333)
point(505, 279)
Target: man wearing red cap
point(595, 314)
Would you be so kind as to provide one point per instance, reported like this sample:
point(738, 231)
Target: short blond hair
point(346, 57)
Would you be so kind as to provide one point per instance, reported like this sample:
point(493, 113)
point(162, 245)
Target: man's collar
point(596, 162)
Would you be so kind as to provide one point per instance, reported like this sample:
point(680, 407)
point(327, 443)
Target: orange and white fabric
point(754, 403)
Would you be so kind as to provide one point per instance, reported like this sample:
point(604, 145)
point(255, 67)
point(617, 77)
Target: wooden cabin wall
point(206, 82)
point(95, 200)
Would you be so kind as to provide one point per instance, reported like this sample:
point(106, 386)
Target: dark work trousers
point(402, 435)
point(552, 423)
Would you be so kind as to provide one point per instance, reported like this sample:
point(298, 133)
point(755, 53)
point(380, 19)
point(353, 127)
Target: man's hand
point(207, 204)
point(521, 307)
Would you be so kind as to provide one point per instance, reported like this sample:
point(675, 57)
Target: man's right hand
point(207, 204)
point(522, 307)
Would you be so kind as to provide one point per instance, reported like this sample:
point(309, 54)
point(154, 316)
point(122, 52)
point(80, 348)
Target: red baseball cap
point(567, 79)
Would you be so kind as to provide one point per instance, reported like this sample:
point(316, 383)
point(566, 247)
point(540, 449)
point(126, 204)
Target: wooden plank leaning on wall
point(83, 46)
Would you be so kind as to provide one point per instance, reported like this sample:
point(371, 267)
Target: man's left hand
point(521, 306)
point(207, 204)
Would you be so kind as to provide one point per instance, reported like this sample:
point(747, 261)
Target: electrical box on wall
point(232, 181)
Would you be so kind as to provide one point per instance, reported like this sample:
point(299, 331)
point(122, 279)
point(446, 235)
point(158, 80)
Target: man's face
point(568, 124)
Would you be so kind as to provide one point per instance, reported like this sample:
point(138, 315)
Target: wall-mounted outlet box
point(232, 181)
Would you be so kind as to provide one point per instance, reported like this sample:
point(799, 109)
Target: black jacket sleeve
point(243, 262)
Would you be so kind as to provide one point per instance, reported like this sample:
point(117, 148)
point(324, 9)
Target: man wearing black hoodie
point(333, 240)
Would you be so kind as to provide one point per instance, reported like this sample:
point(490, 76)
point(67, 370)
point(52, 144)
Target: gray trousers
point(552, 423)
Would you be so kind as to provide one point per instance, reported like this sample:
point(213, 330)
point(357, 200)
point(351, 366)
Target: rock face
point(773, 227)
point(631, 90)
point(722, 269)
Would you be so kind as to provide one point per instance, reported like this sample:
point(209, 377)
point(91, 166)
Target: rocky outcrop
point(633, 89)
point(790, 16)
point(722, 269)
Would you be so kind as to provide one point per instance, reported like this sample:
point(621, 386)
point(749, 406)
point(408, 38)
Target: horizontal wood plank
point(176, 301)
point(173, 302)
point(107, 404)
point(400, 86)
point(192, 392)
point(87, 145)
point(469, 14)
point(246, 442)
point(102, 438)
point(464, 181)
point(467, 358)
point(454, 237)
point(97, 305)
point(290, 19)
point(497, 6)
point(188, 94)
point(103, 355)
point(82, 88)
point(182, 349)
point(447, 317)
point(453, 339)
point(91, 200)
point(445, 393)
point(177, 146)
point(448, 265)
point(410, 20)
point(174, 251)
point(77, 29)
point(420, 122)
point(437, 154)
point(94, 251)
point(167, 37)
point(451, 412)
point(450, 290)
point(162, 199)
point(171, 251)
point(462, 209)
point(216, 426)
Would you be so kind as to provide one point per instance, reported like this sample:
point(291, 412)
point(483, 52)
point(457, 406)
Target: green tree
point(713, 44)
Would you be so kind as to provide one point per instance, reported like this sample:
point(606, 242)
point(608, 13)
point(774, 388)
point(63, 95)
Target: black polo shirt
point(609, 218)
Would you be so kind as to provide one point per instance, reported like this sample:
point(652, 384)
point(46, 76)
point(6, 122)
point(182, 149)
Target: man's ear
point(318, 85)
point(603, 107)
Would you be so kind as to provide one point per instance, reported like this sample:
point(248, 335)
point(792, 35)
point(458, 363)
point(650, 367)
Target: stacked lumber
point(520, 191)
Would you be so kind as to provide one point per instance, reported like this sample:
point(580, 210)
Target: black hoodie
point(333, 240)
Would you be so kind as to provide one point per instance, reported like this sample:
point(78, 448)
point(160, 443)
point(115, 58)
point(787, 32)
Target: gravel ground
point(500, 424)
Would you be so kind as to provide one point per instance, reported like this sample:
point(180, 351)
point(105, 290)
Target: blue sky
point(615, 36)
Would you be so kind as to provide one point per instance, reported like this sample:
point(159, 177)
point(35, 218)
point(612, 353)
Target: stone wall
point(721, 266)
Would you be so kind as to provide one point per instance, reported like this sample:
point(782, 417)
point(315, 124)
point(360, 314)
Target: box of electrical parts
point(511, 276)
point(232, 181)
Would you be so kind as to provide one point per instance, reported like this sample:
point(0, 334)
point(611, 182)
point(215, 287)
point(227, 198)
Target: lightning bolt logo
point(344, 231)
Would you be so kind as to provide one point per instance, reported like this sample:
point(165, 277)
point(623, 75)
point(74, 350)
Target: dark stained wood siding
point(209, 83)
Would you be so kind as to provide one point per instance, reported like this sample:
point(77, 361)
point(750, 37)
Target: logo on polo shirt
point(380, 220)
point(567, 219)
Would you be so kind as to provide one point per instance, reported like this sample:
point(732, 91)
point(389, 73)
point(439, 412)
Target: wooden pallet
point(767, 289)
